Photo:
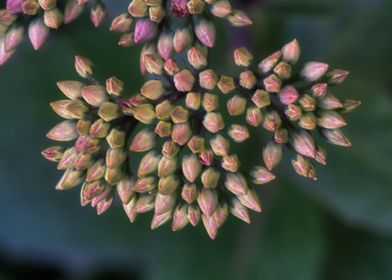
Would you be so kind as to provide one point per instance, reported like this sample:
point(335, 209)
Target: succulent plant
point(186, 171)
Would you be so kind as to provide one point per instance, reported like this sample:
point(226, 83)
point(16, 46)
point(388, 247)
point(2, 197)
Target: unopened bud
point(220, 145)
point(303, 144)
point(196, 144)
point(208, 79)
point(97, 14)
point(205, 32)
point(153, 89)
point(291, 52)
point(250, 200)
point(153, 64)
point(337, 76)
point(238, 210)
point(68, 159)
point(195, 6)
point(247, 80)
point(261, 175)
point(254, 116)
point(236, 183)
point(206, 157)
point(261, 98)
point(54, 153)
point(308, 121)
point(156, 13)
point(83, 66)
point(72, 11)
point(336, 137)
point(313, 71)
point(238, 133)
point(272, 83)
point(191, 167)
point(272, 121)
point(170, 149)
point(349, 106)
point(239, 19)
point(307, 102)
point(164, 203)
point(138, 8)
point(281, 136)
point(272, 154)
point(193, 215)
point(64, 131)
point(114, 86)
point(94, 95)
point(230, 163)
point(267, 64)
point(124, 190)
point(210, 102)
point(96, 171)
point(167, 166)
point(180, 219)
point(329, 102)
point(165, 45)
point(145, 184)
point(213, 122)
point(283, 70)
point(197, 57)
point(53, 18)
point(182, 39)
point(242, 57)
point(208, 201)
point(193, 100)
point(293, 112)
point(331, 120)
point(121, 23)
point(71, 89)
point(184, 80)
point(13, 38)
point(168, 185)
point(144, 113)
point(181, 133)
point(221, 8)
point(210, 178)
point(143, 141)
point(319, 90)
point(226, 84)
point(236, 105)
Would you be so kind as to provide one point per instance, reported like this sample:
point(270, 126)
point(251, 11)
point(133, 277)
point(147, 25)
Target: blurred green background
point(339, 227)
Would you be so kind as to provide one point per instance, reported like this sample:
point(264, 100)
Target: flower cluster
point(168, 148)
point(41, 16)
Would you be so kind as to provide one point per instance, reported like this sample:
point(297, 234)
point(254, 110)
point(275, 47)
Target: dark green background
point(339, 227)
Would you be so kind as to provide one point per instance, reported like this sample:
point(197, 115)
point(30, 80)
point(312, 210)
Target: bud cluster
point(41, 16)
point(293, 106)
point(188, 173)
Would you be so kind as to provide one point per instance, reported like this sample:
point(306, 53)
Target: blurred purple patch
point(14, 6)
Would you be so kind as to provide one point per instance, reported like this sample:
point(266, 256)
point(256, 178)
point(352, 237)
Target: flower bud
point(281, 136)
point(236, 105)
point(272, 154)
point(168, 185)
point(308, 121)
point(239, 19)
point(167, 166)
point(153, 89)
point(321, 155)
point(97, 14)
point(109, 111)
point(144, 203)
point(226, 84)
point(210, 178)
point(94, 95)
point(121, 23)
point(145, 184)
point(184, 80)
point(272, 121)
point(104, 204)
point(250, 200)
point(163, 110)
point(14, 6)
point(196, 144)
point(180, 219)
point(205, 32)
point(230, 163)
point(313, 71)
point(221, 8)
point(53, 18)
point(254, 116)
point(148, 164)
point(336, 137)
point(272, 83)
point(193, 100)
point(242, 57)
point(163, 129)
point(91, 190)
point(261, 175)
point(191, 167)
point(193, 215)
point(239, 211)
point(208, 79)
point(70, 179)
point(197, 57)
point(319, 90)
point(181, 133)
point(54, 153)
point(247, 80)
point(68, 159)
point(83, 161)
point(331, 120)
point(116, 138)
point(301, 165)
point(337, 76)
point(165, 45)
point(143, 141)
point(189, 193)
point(303, 144)
point(138, 8)
point(72, 11)
point(213, 122)
point(288, 95)
point(144, 113)
point(85, 144)
point(114, 86)
point(124, 190)
point(349, 106)
point(210, 102)
point(30, 7)
point(238, 133)
point(153, 64)
point(329, 102)
point(220, 145)
point(307, 102)
point(64, 131)
point(207, 201)
point(156, 13)
point(115, 157)
point(179, 114)
point(293, 112)
point(164, 203)
point(170, 149)
point(13, 38)
point(130, 210)
point(171, 67)
point(83, 66)
point(182, 39)
point(211, 226)
point(99, 129)
point(236, 183)
point(71, 89)
point(283, 70)
point(195, 6)
point(261, 98)
point(126, 40)
point(96, 171)
point(267, 64)
point(206, 157)
point(179, 8)
point(291, 52)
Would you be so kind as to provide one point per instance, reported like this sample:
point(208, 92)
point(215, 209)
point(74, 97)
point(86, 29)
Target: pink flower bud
point(205, 32)
point(14, 6)
point(144, 30)
point(38, 33)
